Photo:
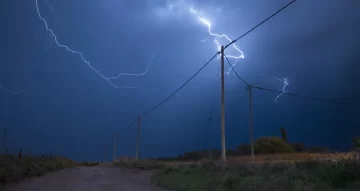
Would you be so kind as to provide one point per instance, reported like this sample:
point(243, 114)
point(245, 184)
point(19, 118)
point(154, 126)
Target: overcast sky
point(54, 102)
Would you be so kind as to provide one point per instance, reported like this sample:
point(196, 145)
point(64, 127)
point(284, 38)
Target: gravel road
point(99, 178)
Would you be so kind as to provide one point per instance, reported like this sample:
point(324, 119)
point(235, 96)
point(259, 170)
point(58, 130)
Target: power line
point(187, 81)
point(266, 89)
point(296, 95)
point(260, 23)
point(177, 90)
point(232, 68)
point(133, 122)
point(158, 105)
point(285, 93)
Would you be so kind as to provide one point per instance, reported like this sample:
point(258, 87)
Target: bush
point(271, 145)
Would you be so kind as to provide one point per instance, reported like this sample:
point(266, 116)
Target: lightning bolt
point(80, 54)
point(140, 74)
point(217, 37)
point(51, 6)
point(48, 42)
point(207, 23)
point(285, 82)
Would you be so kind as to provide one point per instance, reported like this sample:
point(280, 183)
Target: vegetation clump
point(305, 175)
point(17, 167)
point(271, 145)
point(279, 165)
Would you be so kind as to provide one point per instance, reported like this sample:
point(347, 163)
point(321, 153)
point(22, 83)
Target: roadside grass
point(14, 168)
point(327, 175)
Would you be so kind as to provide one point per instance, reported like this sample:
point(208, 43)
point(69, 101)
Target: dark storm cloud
point(313, 43)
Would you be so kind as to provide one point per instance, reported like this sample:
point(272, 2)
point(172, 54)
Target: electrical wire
point(296, 95)
point(232, 68)
point(256, 26)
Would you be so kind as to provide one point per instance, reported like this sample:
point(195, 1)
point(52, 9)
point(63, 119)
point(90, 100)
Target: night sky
point(63, 107)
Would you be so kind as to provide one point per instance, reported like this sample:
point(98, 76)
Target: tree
point(271, 145)
point(283, 134)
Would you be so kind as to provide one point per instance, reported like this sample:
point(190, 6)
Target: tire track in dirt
point(104, 178)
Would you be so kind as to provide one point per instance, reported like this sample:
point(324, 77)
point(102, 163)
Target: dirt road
point(99, 178)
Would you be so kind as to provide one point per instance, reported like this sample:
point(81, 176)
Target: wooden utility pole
point(223, 148)
point(114, 147)
point(251, 126)
point(137, 140)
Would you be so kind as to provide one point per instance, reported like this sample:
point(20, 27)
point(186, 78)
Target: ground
point(296, 171)
point(102, 177)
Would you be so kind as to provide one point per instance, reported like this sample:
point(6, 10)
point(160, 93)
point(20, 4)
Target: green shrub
point(271, 145)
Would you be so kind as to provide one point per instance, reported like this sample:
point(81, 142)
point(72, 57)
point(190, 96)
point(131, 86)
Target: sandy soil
point(99, 178)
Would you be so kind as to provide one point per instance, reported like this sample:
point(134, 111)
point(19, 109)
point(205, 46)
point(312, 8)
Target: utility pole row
point(223, 145)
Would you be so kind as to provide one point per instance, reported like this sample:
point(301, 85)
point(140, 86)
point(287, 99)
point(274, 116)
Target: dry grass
point(13, 168)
